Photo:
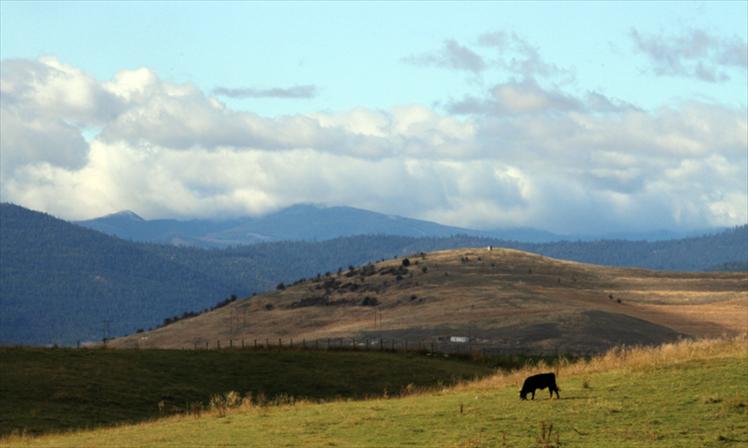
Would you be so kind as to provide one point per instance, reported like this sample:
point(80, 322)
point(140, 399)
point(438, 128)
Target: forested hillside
point(60, 282)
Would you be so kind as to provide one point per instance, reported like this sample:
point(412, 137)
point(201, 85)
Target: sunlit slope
point(683, 395)
point(501, 298)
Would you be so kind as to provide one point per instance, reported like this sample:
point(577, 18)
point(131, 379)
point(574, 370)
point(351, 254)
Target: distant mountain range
point(61, 282)
point(307, 222)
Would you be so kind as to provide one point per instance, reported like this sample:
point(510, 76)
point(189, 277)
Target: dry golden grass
point(489, 292)
point(625, 359)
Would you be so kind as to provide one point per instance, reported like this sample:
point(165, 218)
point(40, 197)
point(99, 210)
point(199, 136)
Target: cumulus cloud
point(44, 106)
point(300, 91)
point(519, 155)
point(693, 53)
point(451, 55)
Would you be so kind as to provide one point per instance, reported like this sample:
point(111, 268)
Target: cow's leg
point(533, 394)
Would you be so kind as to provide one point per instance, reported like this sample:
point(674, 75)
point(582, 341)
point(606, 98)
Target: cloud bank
point(519, 154)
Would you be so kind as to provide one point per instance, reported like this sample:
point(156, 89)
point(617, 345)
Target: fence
point(362, 344)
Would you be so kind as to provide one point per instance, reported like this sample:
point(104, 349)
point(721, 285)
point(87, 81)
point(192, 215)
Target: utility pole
point(231, 320)
point(106, 329)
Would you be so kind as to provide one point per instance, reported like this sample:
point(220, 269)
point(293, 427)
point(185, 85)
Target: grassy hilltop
point(506, 299)
point(688, 394)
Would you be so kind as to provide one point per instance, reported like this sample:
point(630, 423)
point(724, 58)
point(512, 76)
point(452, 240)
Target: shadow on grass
point(53, 390)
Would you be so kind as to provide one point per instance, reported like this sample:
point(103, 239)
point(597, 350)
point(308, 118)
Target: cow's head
point(522, 395)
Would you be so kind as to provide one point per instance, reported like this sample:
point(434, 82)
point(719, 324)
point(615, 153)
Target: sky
point(570, 117)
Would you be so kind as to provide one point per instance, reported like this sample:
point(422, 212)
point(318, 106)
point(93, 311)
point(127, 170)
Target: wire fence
point(363, 344)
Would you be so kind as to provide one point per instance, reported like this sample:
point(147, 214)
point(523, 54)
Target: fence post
point(280, 343)
point(231, 343)
point(242, 342)
point(218, 343)
point(267, 343)
point(255, 344)
point(291, 345)
point(392, 341)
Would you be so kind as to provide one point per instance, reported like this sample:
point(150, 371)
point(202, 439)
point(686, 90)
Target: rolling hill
point(60, 283)
point(503, 300)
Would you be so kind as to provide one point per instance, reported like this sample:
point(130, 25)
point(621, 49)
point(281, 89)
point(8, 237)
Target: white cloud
point(524, 155)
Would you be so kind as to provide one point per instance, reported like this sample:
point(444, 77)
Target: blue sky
point(353, 51)
point(621, 106)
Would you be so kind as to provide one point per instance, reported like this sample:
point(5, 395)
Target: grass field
point(689, 394)
point(45, 390)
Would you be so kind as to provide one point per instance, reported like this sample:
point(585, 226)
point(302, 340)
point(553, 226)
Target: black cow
point(540, 381)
